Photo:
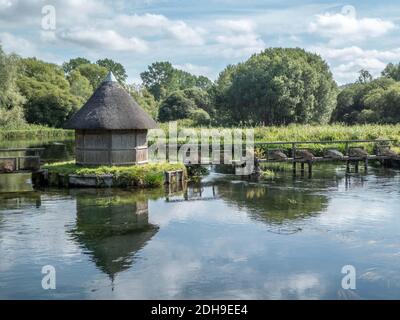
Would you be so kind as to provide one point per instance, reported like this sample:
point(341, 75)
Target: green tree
point(364, 76)
point(94, 73)
point(158, 78)
point(356, 98)
point(79, 85)
point(162, 79)
point(277, 86)
point(51, 108)
point(392, 71)
point(116, 68)
point(385, 103)
point(49, 99)
point(73, 64)
point(201, 99)
point(200, 117)
point(176, 106)
point(11, 100)
point(203, 82)
point(145, 99)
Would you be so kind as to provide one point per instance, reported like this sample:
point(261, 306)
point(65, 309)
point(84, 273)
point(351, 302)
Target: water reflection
point(212, 240)
point(54, 150)
point(112, 226)
point(273, 204)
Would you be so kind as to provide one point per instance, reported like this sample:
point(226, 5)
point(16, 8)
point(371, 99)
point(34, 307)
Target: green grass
point(299, 132)
point(32, 131)
point(332, 132)
point(147, 175)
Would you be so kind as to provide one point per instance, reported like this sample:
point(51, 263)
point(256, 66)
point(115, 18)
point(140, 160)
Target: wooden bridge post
point(356, 166)
point(347, 166)
point(310, 168)
point(366, 164)
point(347, 149)
point(294, 157)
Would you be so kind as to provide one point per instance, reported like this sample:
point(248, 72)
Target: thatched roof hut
point(111, 128)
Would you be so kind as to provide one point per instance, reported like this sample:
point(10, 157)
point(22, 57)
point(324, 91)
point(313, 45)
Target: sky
point(203, 37)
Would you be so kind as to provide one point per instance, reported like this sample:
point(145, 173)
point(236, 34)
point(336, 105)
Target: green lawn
point(146, 175)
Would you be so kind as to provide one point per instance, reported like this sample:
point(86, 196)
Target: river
point(221, 238)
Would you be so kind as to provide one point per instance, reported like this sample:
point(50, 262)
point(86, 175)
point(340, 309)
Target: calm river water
point(223, 238)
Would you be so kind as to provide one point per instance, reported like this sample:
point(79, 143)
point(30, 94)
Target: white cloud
point(350, 53)
point(104, 39)
point(347, 61)
point(243, 40)
point(147, 20)
point(19, 45)
point(348, 72)
point(194, 69)
point(4, 4)
point(345, 26)
point(240, 25)
point(237, 38)
point(159, 24)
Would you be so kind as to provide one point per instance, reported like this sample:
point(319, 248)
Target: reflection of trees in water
point(279, 201)
point(54, 149)
point(12, 201)
point(112, 226)
point(58, 151)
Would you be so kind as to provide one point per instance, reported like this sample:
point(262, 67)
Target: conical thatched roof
point(110, 108)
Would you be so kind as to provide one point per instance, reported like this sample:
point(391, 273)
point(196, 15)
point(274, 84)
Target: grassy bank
point(142, 176)
point(32, 131)
point(333, 132)
point(314, 132)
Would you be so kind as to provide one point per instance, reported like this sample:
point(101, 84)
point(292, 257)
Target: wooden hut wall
point(118, 147)
point(141, 146)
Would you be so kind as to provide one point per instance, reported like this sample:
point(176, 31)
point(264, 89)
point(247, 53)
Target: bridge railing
point(347, 143)
point(11, 163)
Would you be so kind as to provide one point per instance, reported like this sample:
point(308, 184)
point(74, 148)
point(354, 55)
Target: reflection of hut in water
point(112, 228)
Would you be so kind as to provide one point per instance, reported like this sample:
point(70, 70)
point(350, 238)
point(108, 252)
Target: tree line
point(278, 86)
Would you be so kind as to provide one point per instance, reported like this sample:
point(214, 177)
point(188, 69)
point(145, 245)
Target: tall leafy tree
point(362, 102)
point(364, 76)
point(162, 79)
point(94, 73)
point(79, 85)
point(176, 106)
point(73, 64)
point(158, 79)
point(392, 71)
point(277, 86)
point(116, 68)
point(11, 100)
point(49, 99)
point(145, 99)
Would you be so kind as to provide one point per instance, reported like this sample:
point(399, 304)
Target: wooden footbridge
point(30, 161)
point(354, 153)
point(296, 153)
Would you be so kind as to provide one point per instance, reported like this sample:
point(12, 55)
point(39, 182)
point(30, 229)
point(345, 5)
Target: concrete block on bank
point(90, 180)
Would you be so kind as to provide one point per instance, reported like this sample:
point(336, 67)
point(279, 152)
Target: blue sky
point(203, 37)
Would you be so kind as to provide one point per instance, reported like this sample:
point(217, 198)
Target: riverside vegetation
point(143, 176)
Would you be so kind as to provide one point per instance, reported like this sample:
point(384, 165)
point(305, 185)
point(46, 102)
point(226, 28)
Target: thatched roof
point(110, 108)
